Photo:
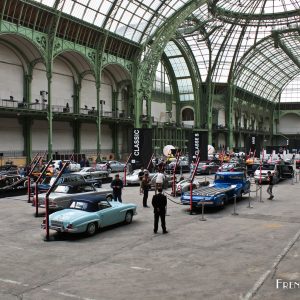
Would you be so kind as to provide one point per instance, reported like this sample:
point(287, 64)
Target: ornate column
point(99, 119)
point(49, 113)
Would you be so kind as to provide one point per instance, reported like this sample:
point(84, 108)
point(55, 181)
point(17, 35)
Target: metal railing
point(37, 106)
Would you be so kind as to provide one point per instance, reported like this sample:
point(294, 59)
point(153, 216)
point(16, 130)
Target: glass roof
point(131, 19)
point(256, 12)
point(265, 70)
point(224, 47)
point(181, 71)
point(291, 93)
point(217, 42)
point(253, 42)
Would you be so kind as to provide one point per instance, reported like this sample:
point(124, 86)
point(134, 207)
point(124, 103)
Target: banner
point(198, 145)
point(255, 145)
point(141, 147)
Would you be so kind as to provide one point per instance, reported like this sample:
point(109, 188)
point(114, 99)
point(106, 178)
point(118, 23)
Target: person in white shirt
point(159, 181)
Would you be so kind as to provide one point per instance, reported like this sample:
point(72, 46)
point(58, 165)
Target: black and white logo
point(136, 142)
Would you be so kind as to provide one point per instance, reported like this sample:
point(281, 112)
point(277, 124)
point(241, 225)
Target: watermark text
point(287, 285)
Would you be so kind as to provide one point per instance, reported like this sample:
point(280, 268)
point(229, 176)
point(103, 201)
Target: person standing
point(146, 185)
point(141, 176)
point(159, 182)
point(117, 185)
point(270, 187)
point(159, 203)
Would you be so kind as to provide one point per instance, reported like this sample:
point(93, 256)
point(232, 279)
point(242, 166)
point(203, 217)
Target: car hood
point(132, 177)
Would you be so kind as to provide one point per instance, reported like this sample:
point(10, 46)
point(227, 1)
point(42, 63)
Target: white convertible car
point(63, 194)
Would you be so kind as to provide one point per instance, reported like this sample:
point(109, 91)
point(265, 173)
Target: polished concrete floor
point(227, 256)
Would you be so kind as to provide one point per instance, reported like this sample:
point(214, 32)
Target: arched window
point(187, 114)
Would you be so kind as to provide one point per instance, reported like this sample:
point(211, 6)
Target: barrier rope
point(179, 203)
point(256, 190)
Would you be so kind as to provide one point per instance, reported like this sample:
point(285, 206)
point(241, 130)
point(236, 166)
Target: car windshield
point(79, 205)
point(135, 172)
point(268, 167)
point(229, 178)
point(64, 189)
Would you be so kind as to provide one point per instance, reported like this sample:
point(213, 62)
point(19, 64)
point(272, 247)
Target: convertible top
point(90, 198)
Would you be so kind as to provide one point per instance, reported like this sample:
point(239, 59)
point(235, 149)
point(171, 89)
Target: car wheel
point(128, 217)
point(91, 229)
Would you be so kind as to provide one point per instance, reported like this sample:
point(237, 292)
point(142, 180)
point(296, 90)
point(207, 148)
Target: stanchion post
point(249, 201)
point(191, 198)
point(256, 187)
point(260, 194)
point(36, 202)
point(202, 211)
point(125, 169)
point(234, 206)
point(28, 189)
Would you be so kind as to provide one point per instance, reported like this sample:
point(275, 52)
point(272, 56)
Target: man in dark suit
point(159, 203)
point(117, 185)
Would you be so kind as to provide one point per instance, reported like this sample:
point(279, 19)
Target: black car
point(13, 185)
point(285, 171)
point(182, 167)
point(251, 169)
point(206, 167)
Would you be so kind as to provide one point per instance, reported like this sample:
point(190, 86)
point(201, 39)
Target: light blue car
point(90, 213)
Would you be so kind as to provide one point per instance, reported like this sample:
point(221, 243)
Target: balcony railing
point(37, 106)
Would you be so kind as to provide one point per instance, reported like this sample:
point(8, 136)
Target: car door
point(107, 213)
point(120, 167)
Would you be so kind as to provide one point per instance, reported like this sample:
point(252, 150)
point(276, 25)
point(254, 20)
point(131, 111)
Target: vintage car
point(73, 166)
point(133, 177)
point(9, 169)
point(185, 185)
point(102, 166)
point(91, 174)
point(89, 214)
point(65, 178)
point(226, 186)
point(206, 168)
point(182, 167)
point(168, 179)
point(63, 194)
point(116, 166)
point(279, 172)
point(252, 168)
point(231, 167)
point(8, 179)
point(13, 185)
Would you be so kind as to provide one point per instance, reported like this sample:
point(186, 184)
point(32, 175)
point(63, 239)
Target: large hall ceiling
point(250, 43)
